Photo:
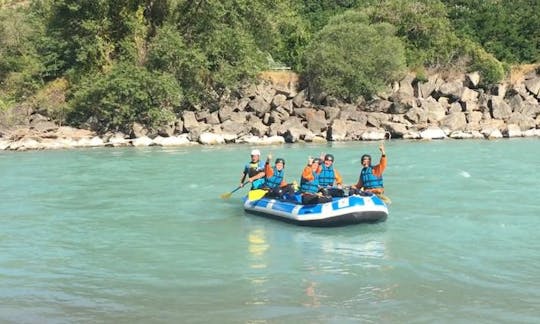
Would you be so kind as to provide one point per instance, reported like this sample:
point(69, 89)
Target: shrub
point(127, 94)
point(350, 58)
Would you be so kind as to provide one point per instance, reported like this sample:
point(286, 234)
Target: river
point(140, 235)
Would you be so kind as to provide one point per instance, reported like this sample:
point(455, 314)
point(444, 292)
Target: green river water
point(130, 235)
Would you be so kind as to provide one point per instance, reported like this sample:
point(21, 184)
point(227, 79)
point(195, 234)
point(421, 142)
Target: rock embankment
point(276, 111)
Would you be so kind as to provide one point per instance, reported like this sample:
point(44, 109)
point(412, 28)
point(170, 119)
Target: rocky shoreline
point(275, 112)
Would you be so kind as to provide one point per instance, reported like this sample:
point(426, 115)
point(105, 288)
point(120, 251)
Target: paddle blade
point(385, 199)
point(226, 195)
point(256, 194)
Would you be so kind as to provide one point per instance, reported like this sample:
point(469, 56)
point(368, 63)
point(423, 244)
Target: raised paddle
point(229, 194)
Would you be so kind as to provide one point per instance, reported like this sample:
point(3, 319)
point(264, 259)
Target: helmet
point(280, 160)
point(366, 156)
point(329, 157)
point(255, 152)
point(317, 160)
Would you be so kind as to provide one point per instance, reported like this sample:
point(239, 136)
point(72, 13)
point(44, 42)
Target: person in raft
point(309, 183)
point(254, 171)
point(274, 181)
point(329, 179)
point(371, 177)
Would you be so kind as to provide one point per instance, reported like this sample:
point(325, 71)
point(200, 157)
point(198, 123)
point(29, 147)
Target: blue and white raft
point(340, 211)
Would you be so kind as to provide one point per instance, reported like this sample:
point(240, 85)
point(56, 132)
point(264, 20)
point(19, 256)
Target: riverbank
point(277, 111)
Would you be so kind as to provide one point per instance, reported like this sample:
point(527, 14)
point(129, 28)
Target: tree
point(349, 57)
point(125, 95)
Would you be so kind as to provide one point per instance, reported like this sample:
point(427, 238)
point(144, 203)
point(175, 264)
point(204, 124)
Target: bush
point(169, 53)
point(127, 94)
point(350, 58)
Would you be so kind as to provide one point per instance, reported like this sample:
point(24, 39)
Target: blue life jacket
point(275, 180)
point(369, 180)
point(310, 186)
point(253, 168)
point(327, 176)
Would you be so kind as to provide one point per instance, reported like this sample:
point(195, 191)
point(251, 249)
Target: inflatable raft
point(363, 208)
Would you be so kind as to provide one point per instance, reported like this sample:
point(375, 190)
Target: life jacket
point(310, 186)
point(369, 180)
point(275, 180)
point(253, 168)
point(327, 176)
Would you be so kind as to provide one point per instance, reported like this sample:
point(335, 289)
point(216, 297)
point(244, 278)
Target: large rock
point(259, 105)
point(337, 130)
point(417, 116)
point(316, 121)
point(299, 99)
point(234, 127)
point(434, 110)
point(472, 79)
point(533, 85)
point(190, 120)
point(211, 138)
point(432, 132)
point(426, 89)
point(452, 89)
point(500, 109)
point(172, 140)
point(379, 105)
point(454, 121)
point(396, 130)
point(512, 130)
point(374, 135)
point(402, 103)
point(522, 121)
point(406, 85)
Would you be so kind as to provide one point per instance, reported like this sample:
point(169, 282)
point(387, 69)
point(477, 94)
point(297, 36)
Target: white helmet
point(255, 152)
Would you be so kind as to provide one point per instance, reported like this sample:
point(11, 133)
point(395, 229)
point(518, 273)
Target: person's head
point(328, 160)
point(366, 160)
point(315, 164)
point(280, 164)
point(255, 155)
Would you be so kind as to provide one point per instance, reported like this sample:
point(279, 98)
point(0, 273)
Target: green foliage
point(168, 52)
point(491, 70)
point(51, 100)
point(125, 95)
point(510, 30)
point(350, 58)
point(424, 27)
point(20, 66)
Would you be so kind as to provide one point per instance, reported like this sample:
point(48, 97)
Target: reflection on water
point(257, 248)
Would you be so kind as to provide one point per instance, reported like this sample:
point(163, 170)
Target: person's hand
point(322, 156)
point(310, 160)
point(241, 185)
point(269, 157)
point(381, 148)
point(339, 186)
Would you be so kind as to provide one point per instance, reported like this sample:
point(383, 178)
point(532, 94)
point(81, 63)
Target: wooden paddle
point(228, 195)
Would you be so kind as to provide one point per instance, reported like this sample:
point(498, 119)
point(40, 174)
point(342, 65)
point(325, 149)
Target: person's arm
point(268, 170)
point(307, 173)
point(243, 178)
point(359, 184)
point(257, 176)
point(379, 168)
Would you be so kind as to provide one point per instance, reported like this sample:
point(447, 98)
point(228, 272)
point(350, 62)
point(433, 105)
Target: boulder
point(337, 130)
point(533, 85)
point(432, 132)
point(454, 121)
point(211, 138)
point(499, 108)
